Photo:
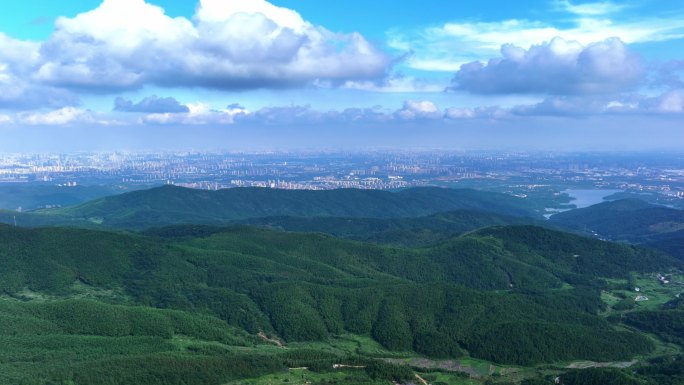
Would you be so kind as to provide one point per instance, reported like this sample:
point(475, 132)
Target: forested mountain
point(415, 231)
point(174, 205)
point(204, 302)
point(629, 220)
point(467, 294)
point(670, 242)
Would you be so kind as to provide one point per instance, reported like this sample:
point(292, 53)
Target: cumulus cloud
point(125, 44)
point(365, 115)
point(285, 115)
point(150, 104)
point(16, 94)
point(202, 114)
point(17, 54)
point(17, 91)
point(413, 110)
point(668, 103)
point(198, 114)
point(455, 113)
point(570, 106)
point(305, 114)
point(556, 67)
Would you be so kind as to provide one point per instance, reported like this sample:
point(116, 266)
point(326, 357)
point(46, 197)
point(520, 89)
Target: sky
point(89, 75)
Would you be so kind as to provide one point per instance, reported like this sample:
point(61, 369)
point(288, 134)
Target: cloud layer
point(508, 70)
point(447, 46)
point(556, 67)
point(17, 89)
point(669, 103)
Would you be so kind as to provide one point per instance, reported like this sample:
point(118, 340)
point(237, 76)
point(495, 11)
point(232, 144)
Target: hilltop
point(629, 220)
point(175, 205)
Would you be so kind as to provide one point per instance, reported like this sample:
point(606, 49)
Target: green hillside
point(200, 304)
point(629, 220)
point(174, 205)
point(308, 287)
point(670, 242)
point(417, 231)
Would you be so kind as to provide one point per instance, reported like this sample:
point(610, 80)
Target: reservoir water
point(585, 198)
point(582, 198)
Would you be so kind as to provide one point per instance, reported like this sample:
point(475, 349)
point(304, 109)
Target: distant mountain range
point(629, 220)
point(174, 205)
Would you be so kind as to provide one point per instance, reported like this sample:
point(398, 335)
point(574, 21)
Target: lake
point(585, 198)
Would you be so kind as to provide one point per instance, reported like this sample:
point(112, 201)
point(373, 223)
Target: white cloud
point(671, 102)
point(5, 119)
point(219, 11)
point(17, 60)
point(286, 115)
point(668, 103)
point(591, 9)
point(460, 113)
point(61, 116)
point(228, 44)
point(199, 114)
point(446, 47)
point(17, 54)
point(202, 114)
point(413, 110)
point(557, 67)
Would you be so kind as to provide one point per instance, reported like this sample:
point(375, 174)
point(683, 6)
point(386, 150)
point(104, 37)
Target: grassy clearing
point(657, 292)
point(649, 286)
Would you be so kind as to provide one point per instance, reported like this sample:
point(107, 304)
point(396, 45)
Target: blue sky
point(250, 74)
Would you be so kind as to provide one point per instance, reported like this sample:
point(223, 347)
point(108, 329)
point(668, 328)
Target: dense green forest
point(631, 220)
point(671, 243)
point(413, 231)
point(520, 295)
point(218, 287)
point(175, 205)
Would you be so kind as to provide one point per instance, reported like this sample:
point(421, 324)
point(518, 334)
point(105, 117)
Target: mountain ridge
point(175, 205)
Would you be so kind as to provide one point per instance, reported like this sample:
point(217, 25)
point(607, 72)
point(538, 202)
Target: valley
point(467, 296)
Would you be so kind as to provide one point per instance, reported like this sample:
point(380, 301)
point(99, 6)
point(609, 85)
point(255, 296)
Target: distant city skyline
point(36, 181)
point(294, 74)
